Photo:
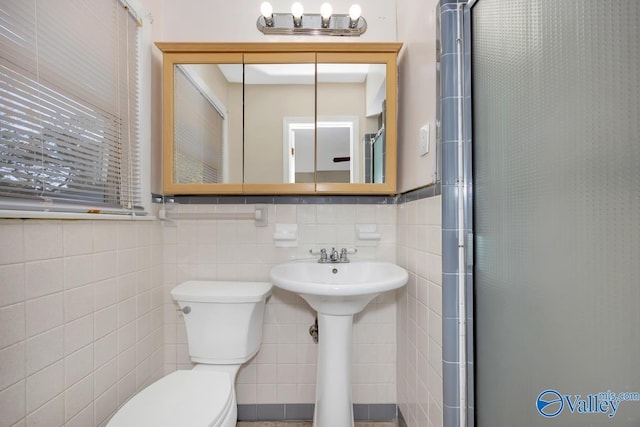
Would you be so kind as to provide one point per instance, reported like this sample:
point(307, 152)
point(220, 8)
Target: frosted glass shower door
point(556, 161)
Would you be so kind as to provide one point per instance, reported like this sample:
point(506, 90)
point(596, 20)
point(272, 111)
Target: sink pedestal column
point(333, 388)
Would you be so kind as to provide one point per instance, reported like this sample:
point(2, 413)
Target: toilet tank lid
point(221, 291)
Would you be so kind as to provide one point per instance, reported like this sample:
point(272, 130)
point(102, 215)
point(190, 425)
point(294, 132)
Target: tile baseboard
point(304, 412)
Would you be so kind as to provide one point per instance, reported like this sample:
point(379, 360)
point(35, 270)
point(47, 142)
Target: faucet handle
point(323, 254)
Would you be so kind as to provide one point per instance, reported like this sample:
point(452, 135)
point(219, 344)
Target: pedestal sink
point(336, 291)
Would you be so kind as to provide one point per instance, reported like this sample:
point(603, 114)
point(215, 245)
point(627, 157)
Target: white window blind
point(69, 106)
point(198, 133)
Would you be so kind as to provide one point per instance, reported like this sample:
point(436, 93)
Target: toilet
point(224, 330)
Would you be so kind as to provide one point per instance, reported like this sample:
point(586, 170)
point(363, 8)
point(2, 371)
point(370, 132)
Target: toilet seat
point(182, 398)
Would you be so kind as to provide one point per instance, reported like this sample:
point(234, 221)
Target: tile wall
point(285, 368)
point(80, 318)
point(419, 326)
point(86, 318)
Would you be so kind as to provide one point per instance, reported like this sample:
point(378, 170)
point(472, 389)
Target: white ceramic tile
point(307, 353)
point(266, 393)
point(12, 404)
point(44, 385)
point(50, 414)
point(105, 321)
point(143, 258)
point(42, 240)
point(126, 235)
point(78, 271)
point(105, 293)
point(104, 236)
point(286, 353)
point(105, 265)
point(145, 325)
point(286, 373)
point(286, 214)
point(12, 283)
point(78, 365)
point(126, 388)
point(78, 396)
point(306, 393)
point(11, 231)
point(144, 233)
point(127, 261)
point(182, 354)
point(78, 302)
point(287, 393)
point(105, 349)
point(12, 360)
point(126, 311)
point(83, 418)
point(43, 277)
point(266, 373)
point(126, 336)
point(105, 405)
point(12, 324)
point(77, 237)
point(44, 349)
point(127, 286)
point(44, 313)
point(78, 334)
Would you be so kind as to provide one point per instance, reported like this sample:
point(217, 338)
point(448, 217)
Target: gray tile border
point(382, 412)
point(401, 421)
point(247, 412)
point(298, 411)
point(275, 199)
point(416, 194)
point(270, 412)
point(304, 412)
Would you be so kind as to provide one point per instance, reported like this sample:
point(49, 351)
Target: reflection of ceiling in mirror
point(296, 73)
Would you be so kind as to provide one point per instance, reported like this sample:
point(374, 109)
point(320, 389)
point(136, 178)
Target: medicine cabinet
point(279, 118)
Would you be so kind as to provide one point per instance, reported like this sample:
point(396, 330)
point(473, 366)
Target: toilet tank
point(223, 319)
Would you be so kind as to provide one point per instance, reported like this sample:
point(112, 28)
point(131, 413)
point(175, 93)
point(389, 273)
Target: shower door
point(556, 160)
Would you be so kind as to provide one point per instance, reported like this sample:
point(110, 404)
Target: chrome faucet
point(334, 256)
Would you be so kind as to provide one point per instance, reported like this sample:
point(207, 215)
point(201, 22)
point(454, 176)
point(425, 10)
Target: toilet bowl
point(224, 330)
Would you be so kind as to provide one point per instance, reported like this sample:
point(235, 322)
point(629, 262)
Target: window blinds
point(68, 106)
point(199, 133)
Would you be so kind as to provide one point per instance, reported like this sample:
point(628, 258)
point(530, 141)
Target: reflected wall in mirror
point(355, 92)
point(274, 93)
point(207, 131)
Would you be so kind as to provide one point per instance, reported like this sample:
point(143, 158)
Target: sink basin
point(337, 292)
point(340, 288)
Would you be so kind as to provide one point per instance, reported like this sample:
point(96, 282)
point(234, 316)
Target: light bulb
point(354, 12)
point(326, 10)
point(297, 10)
point(266, 9)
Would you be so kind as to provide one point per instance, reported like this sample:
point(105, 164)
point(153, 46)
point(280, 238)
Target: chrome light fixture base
point(311, 24)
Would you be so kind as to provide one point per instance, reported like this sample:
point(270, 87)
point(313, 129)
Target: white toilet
point(224, 330)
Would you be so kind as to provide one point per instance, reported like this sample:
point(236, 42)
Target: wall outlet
point(424, 140)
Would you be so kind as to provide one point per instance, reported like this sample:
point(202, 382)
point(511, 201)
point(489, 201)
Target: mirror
point(207, 131)
point(277, 95)
point(279, 118)
point(351, 98)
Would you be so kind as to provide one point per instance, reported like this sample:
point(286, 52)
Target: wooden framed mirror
point(279, 118)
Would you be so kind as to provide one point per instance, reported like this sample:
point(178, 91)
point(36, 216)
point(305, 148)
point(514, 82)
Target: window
point(69, 132)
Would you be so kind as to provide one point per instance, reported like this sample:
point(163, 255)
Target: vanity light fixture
point(325, 23)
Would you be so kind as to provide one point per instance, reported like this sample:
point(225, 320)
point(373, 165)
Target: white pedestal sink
point(336, 291)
